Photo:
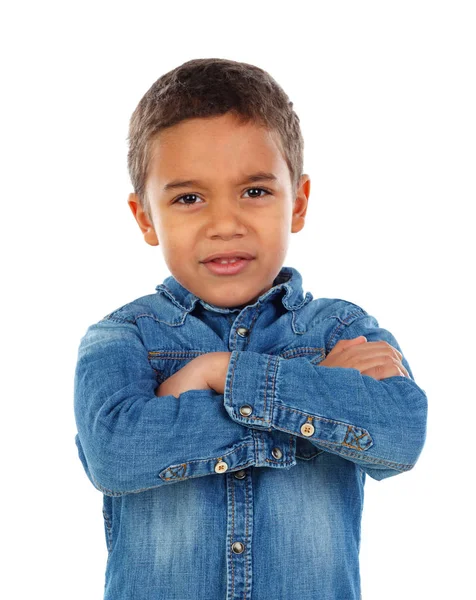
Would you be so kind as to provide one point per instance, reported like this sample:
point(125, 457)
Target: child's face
point(220, 211)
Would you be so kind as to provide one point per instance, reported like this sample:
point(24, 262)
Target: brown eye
point(257, 190)
point(188, 199)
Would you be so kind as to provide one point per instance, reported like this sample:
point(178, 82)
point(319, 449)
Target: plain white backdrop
point(386, 96)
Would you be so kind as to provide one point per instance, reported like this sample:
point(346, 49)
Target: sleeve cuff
point(254, 390)
point(250, 388)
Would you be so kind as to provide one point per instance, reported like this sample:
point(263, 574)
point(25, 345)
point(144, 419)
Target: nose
point(225, 220)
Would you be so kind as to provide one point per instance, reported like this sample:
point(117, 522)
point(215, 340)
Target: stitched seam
point(232, 377)
point(117, 320)
point(250, 463)
point(122, 492)
point(200, 460)
point(342, 324)
point(175, 470)
point(324, 420)
point(370, 459)
point(241, 324)
point(231, 392)
point(301, 351)
point(280, 461)
point(273, 394)
point(108, 529)
point(247, 517)
point(257, 313)
point(157, 320)
point(265, 388)
point(232, 533)
point(336, 446)
point(174, 354)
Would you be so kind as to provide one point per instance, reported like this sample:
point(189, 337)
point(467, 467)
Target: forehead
point(213, 146)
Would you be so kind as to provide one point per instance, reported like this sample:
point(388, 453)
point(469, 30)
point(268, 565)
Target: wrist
point(217, 369)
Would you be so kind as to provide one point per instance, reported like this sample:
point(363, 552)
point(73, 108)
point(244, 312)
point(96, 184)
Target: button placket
point(240, 501)
point(239, 534)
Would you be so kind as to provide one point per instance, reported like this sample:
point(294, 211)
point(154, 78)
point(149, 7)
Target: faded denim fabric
point(254, 494)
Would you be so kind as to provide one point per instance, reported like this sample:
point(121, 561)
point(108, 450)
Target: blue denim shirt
point(254, 494)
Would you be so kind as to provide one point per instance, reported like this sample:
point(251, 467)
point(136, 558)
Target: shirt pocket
point(167, 362)
point(306, 450)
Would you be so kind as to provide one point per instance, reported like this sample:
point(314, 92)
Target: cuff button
point(307, 429)
point(221, 466)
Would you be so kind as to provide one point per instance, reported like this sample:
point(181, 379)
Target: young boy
point(228, 419)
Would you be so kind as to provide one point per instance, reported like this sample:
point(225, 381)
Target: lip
point(227, 269)
point(230, 254)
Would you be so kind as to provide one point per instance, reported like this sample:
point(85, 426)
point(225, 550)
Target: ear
point(300, 204)
point(143, 220)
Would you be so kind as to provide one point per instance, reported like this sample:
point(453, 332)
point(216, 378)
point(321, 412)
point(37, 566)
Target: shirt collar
point(288, 279)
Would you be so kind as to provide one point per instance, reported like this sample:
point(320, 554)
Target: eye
point(188, 199)
point(257, 190)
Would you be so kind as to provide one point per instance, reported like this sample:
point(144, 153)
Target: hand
point(189, 377)
point(215, 369)
point(375, 359)
point(206, 372)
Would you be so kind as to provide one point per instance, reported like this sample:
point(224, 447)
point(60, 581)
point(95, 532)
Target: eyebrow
point(253, 178)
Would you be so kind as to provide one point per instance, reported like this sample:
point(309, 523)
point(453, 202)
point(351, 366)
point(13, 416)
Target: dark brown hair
point(207, 87)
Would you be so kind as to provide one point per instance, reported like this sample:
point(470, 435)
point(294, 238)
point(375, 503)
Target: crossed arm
point(375, 359)
point(369, 411)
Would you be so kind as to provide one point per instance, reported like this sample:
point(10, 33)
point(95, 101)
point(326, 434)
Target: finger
point(343, 344)
point(405, 372)
point(387, 346)
point(385, 371)
point(374, 348)
point(385, 363)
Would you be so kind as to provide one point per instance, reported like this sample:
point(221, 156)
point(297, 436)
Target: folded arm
point(380, 425)
point(129, 439)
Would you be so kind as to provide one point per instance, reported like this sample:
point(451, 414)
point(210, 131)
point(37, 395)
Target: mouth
point(227, 266)
point(230, 256)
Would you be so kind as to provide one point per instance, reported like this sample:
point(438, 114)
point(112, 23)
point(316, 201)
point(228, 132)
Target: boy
point(229, 420)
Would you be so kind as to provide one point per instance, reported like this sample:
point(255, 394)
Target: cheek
point(276, 226)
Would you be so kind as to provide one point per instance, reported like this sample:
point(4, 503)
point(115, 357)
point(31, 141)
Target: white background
point(386, 96)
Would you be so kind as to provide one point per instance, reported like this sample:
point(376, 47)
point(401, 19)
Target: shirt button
point(307, 429)
point(221, 467)
point(238, 547)
point(242, 331)
point(246, 410)
point(240, 474)
point(276, 452)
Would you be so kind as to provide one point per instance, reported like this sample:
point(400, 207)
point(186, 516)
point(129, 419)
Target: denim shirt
point(254, 494)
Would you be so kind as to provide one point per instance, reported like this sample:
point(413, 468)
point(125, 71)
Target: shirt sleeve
point(130, 440)
point(378, 424)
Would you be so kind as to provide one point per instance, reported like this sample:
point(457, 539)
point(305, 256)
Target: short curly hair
point(207, 87)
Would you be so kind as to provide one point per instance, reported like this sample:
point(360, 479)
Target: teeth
point(226, 261)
